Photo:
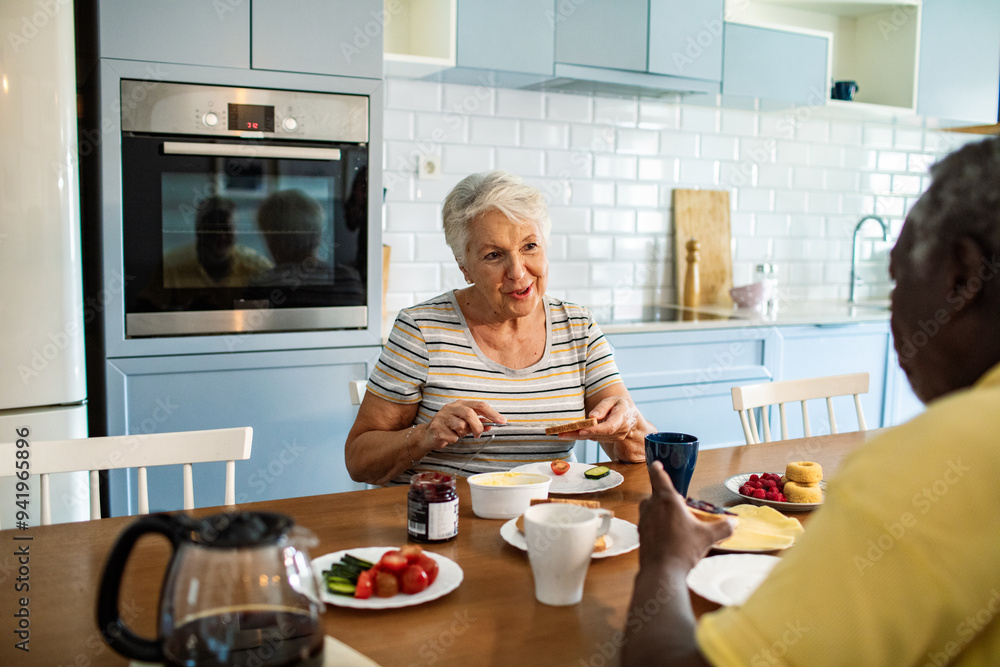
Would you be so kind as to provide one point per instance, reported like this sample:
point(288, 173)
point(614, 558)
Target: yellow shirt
point(901, 565)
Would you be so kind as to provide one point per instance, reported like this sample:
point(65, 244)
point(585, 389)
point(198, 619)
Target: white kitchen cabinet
point(419, 37)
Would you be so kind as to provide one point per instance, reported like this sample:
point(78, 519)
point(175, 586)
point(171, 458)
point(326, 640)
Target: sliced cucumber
point(597, 472)
point(340, 586)
point(352, 561)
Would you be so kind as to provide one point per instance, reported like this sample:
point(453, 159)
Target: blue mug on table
point(844, 90)
point(678, 452)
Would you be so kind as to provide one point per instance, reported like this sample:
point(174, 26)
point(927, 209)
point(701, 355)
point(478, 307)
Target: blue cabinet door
point(191, 32)
point(816, 351)
point(603, 33)
point(341, 37)
point(297, 403)
point(512, 36)
point(685, 38)
point(959, 73)
point(774, 64)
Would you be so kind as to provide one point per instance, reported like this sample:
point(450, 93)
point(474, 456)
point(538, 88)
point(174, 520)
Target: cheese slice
point(761, 528)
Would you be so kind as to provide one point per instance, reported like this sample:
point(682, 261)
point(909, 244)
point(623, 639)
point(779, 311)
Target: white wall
point(799, 182)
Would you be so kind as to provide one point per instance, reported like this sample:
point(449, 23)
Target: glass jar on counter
point(432, 508)
point(767, 273)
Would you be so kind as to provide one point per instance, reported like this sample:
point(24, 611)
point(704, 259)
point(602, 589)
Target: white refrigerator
point(42, 378)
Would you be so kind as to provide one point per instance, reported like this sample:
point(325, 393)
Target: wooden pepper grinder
point(692, 283)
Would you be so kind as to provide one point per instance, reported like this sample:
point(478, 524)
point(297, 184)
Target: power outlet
point(429, 167)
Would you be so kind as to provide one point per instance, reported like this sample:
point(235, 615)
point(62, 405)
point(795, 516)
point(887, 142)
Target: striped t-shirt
point(431, 359)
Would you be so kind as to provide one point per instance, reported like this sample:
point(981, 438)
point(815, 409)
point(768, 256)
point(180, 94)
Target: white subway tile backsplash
point(544, 134)
point(719, 147)
point(466, 159)
point(412, 217)
point(593, 193)
point(659, 115)
point(608, 166)
point(569, 164)
point(615, 166)
point(637, 142)
point(463, 101)
point(570, 219)
point(678, 144)
point(616, 111)
point(700, 119)
point(412, 95)
point(520, 103)
point(659, 169)
point(493, 131)
point(597, 138)
point(590, 247)
point(522, 161)
point(638, 195)
point(702, 173)
point(397, 124)
point(614, 221)
point(572, 108)
point(740, 123)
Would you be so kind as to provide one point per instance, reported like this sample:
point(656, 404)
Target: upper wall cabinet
point(419, 37)
point(512, 36)
point(959, 63)
point(775, 64)
point(343, 37)
point(318, 36)
point(671, 45)
point(872, 42)
point(187, 32)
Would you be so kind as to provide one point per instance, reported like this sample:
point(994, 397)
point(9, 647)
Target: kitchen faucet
point(855, 278)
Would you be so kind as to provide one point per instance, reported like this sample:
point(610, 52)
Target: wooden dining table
point(492, 618)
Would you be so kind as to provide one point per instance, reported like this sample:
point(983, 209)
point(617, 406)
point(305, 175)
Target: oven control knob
point(289, 124)
point(210, 119)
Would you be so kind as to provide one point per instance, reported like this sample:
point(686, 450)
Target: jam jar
point(432, 508)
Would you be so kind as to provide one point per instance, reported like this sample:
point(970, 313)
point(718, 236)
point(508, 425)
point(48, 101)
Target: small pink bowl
point(748, 296)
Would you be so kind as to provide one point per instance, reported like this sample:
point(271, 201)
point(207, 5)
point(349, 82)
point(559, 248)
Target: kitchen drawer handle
point(250, 151)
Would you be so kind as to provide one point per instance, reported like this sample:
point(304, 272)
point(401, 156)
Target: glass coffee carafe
point(239, 590)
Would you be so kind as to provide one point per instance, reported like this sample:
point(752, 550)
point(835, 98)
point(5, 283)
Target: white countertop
point(675, 318)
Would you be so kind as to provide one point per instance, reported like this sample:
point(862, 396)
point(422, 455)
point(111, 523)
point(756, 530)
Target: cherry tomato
point(386, 584)
point(393, 562)
point(559, 467)
point(413, 580)
point(412, 552)
point(366, 584)
point(428, 565)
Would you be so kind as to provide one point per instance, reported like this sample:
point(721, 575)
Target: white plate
point(622, 538)
point(573, 481)
point(736, 481)
point(449, 577)
point(730, 579)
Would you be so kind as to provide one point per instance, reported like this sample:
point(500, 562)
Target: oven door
point(227, 236)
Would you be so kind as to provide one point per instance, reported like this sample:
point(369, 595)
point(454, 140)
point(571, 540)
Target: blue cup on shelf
point(678, 452)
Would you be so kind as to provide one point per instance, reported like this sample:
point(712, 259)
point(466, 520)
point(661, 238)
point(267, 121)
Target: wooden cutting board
point(704, 215)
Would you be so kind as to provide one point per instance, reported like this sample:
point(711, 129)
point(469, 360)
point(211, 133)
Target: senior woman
point(498, 350)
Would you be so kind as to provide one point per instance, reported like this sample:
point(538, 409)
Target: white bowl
point(749, 296)
point(505, 495)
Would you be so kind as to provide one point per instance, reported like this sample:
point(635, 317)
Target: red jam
point(432, 508)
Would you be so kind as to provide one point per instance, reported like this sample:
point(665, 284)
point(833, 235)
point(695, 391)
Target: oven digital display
point(252, 117)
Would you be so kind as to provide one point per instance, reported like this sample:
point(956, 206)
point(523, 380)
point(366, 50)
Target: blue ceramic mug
point(678, 452)
point(844, 90)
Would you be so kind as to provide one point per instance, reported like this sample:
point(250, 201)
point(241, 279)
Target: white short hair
point(490, 191)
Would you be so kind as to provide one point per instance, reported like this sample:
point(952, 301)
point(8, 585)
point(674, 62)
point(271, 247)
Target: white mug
point(560, 539)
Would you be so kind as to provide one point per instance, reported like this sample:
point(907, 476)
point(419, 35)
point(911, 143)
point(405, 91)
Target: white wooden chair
point(747, 399)
point(130, 451)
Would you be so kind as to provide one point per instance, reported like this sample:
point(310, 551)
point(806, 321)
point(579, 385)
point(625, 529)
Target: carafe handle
point(109, 621)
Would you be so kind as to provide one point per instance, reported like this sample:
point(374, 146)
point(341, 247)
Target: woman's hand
point(621, 429)
point(668, 532)
point(453, 421)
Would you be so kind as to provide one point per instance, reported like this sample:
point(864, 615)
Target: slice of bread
point(600, 544)
point(571, 426)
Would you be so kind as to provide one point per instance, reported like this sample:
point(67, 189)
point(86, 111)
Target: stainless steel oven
point(244, 209)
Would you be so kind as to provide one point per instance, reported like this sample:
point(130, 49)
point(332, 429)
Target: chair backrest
point(131, 451)
point(747, 399)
